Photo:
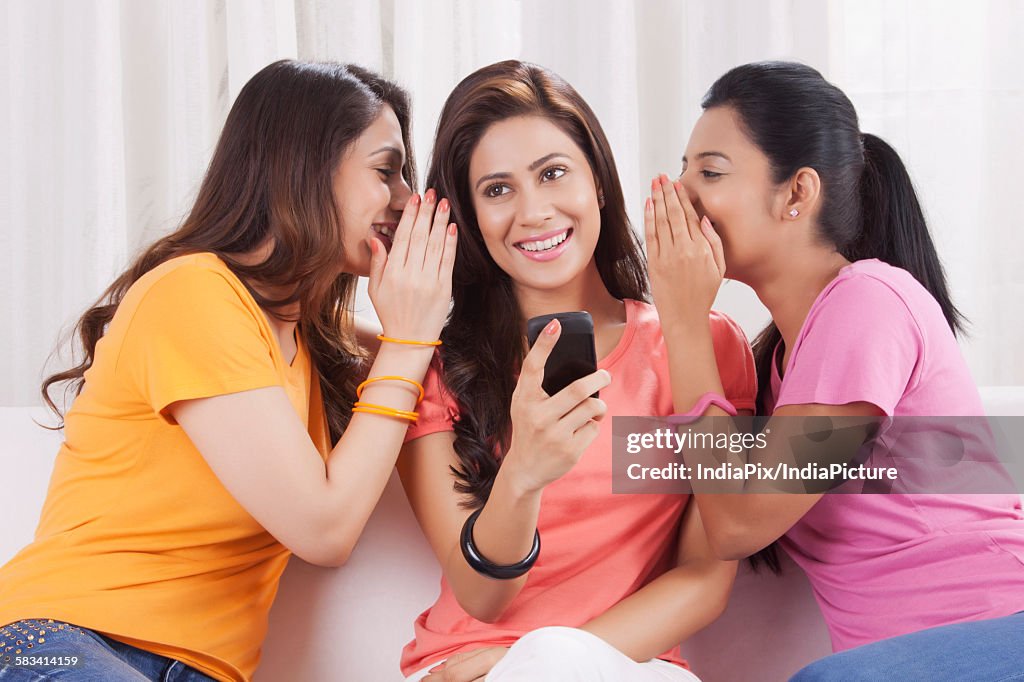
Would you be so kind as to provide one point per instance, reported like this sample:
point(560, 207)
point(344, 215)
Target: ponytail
point(893, 225)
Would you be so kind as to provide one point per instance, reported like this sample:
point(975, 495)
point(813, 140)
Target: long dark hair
point(271, 176)
point(869, 208)
point(483, 340)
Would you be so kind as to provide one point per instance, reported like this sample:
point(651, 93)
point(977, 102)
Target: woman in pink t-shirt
point(495, 464)
point(781, 190)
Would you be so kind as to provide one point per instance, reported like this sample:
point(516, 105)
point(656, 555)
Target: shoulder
point(195, 285)
point(200, 271)
point(869, 285)
point(724, 330)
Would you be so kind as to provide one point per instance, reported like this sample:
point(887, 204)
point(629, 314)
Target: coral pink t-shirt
point(598, 547)
point(883, 565)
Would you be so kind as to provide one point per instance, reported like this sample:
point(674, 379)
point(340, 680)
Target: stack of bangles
point(372, 408)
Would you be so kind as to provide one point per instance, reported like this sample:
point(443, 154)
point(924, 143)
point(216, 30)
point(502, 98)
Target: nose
point(688, 178)
point(533, 208)
point(400, 193)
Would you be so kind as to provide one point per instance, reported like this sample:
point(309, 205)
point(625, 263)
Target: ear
point(600, 197)
point(803, 193)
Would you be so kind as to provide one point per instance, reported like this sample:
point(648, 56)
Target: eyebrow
point(532, 167)
point(389, 149)
point(704, 155)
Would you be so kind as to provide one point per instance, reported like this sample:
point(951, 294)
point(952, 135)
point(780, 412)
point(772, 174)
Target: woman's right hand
point(411, 286)
point(550, 433)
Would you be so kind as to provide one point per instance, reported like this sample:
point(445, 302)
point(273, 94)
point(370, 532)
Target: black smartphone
point(574, 355)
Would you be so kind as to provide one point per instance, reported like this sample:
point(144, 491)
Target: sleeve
point(195, 335)
point(438, 410)
point(860, 343)
point(735, 361)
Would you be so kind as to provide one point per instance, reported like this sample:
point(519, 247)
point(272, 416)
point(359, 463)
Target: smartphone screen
point(573, 356)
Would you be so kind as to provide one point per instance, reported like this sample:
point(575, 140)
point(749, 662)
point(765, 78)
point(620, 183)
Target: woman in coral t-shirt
point(214, 431)
point(495, 465)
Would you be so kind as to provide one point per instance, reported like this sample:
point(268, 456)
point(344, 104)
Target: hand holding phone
point(555, 410)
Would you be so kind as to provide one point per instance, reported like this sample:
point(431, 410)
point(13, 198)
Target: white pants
point(561, 654)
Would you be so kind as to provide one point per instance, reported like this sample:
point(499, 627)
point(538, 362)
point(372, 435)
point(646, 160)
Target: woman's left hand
point(471, 666)
point(684, 255)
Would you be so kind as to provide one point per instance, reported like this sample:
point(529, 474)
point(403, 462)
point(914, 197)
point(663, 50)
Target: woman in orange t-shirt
point(214, 430)
point(622, 579)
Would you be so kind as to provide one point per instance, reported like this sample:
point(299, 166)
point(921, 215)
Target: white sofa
point(349, 624)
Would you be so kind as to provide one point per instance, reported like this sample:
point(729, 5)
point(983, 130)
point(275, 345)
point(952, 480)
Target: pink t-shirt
point(885, 565)
point(598, 548)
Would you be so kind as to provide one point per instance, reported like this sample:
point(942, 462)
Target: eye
point(496, 190)
point(553, 173)
point(711, 175)
point(386, 173)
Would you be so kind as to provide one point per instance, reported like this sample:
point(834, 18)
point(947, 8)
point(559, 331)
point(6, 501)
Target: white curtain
point(111, 110)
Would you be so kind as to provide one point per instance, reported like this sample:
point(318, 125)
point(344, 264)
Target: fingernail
point(373, 246)
point(648, 205)
point(664, 179)
point(678, 185)
point(654, 184)
point(552, 327)
point(414, 199)
point(431, 195)
point(452, 229)
point(442, 205)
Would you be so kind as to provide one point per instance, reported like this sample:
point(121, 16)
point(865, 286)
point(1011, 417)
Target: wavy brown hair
point(483, 341)
point(271, 177)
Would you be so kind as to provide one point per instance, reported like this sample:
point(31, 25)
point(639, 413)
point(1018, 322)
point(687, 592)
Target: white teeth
point(384, 230)
point(545, 244)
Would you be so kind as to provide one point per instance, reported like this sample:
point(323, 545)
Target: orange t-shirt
point(138, 538)
point(598, 547)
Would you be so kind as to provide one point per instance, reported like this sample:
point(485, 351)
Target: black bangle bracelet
point(483, 566)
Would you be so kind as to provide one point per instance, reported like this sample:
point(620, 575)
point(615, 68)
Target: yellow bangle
point(386, 411)
point(408, 342)
point(418, 385)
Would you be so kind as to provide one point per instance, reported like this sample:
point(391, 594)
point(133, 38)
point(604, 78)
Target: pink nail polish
point(552, 327)
point(443, 205)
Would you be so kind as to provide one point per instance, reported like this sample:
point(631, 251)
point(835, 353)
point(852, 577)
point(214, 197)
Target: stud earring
point(794, 213)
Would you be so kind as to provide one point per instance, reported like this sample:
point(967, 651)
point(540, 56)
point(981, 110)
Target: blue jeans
point(980, 651)
point(67, 652)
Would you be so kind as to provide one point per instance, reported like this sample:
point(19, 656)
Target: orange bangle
point(386, 411)
point(418, 385)
point(408, 342)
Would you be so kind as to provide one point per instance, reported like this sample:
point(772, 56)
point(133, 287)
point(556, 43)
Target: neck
point(789, 288)
point(255, 257)
point(586, 292)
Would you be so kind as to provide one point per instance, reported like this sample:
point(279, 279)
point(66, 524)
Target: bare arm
point(675, 605)
point(258, 447)
point(549, 434)
point(503, 532)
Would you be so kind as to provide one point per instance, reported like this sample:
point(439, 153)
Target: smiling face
point(729, 179)
point(369, 189)
point(536, 202)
